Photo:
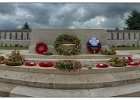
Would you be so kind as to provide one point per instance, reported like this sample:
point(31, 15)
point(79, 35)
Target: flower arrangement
point(133, 63)
point(30, 63)
point(94, 45)
point(108, 52)
point(41, 48)
point(68, 65)
point(117, 62)
point(15, 59)
point(128, 59)
point(2, 60)
point(61, 42)
point(46, 64)
point(102, 65)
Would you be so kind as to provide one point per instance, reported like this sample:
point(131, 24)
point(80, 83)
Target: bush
point(1, 44)
point(16, 45)
point(21, 45)
point(113, 45)
point(123, 45)
point(133, 45)
point(68, 65)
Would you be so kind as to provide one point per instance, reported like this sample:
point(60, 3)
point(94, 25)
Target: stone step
point(82, 81)
point(131, 90)
point(88, 69)
point(94, 61)
point(83, 61)
point(84, 56)
point(5, 89)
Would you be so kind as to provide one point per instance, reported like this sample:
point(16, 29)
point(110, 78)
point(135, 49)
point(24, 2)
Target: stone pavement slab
point(81, 81)
point(5, 89)
point(125, 90)
point(38, 92)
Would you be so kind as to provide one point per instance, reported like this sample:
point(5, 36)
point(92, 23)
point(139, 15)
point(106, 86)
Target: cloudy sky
point(65, 15)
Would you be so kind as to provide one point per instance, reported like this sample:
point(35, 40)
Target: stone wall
point(15, 37)
point(49, 36)
point(123, 37)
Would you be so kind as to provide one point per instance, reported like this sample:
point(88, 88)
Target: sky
point(65, 15)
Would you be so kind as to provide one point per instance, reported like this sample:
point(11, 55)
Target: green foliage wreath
point(72, 39)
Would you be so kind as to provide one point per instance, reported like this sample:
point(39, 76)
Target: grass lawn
point(14, 48)
point(125, 48)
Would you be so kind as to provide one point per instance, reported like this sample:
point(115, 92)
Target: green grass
point(14, 48)
point(125, 48)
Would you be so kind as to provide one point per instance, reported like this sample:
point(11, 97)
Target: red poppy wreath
point(46, 64)
point(128, 59)
point(133, 63)
point(102, 65)
point(30, 63)
point(41, 48)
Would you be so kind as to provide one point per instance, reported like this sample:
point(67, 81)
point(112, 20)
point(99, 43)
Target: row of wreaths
point(42, 47)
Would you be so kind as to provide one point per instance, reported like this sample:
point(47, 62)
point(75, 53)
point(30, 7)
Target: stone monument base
point(49, 36)
point(51, 49)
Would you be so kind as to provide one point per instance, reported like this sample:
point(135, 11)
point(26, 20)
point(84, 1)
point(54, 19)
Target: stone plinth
point(49, 36)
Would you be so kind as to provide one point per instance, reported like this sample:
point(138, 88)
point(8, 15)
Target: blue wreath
point(90, 46)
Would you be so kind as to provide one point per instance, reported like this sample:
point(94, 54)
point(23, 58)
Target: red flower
point(46, 64)
point(30, 63)
point(41, 48)
point(128, 59)
point(102, 65)
point(133, 63)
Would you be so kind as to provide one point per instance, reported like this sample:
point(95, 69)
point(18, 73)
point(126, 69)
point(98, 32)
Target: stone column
point(29, 35)
point(24, 35)
point(5, 35)
point(121, 36)
point(8, 35)
point(0, 35)
point(131, 36)
point(19, 36)
point(109, 36)
point(125, 36)
point(137, 36)
point(115, 36)
point(13, 35)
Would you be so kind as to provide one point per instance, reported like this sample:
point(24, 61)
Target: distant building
point(15, 37)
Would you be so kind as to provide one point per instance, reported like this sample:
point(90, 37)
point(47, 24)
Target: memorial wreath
point(41, 48)
point(94, 45)
point(67, 41)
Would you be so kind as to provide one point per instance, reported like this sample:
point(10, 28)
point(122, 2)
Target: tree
point(133, 21)
point(26, 26)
